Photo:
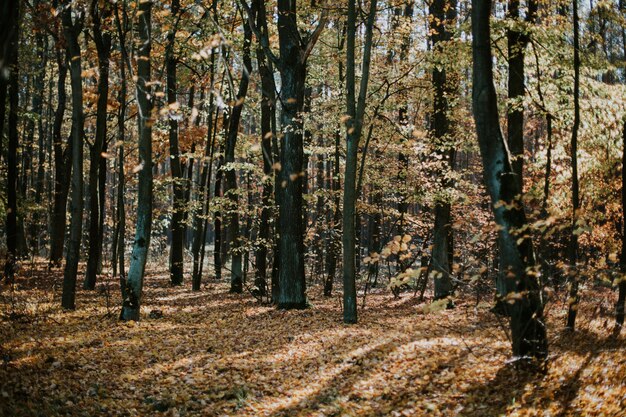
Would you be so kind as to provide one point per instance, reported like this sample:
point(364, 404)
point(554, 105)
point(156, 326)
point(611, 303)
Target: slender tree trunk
point(573, 248)
point(230, 189)
point(443, 14)
point(517, 257)
point(62, 168)
point(217, 239)
point(119, 242)
point(200, 220)
point(96, 194)
point(355, 112)
point(39, 85)
point(177, 226)
point(72, 31)
point(133, 286)
point(621, 297)
point(11, 209)
point(268, 109)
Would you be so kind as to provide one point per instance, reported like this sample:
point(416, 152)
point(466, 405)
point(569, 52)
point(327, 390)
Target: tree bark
point(443, 14)
point(177, 225)
point(72, 31)
point(517, 256)
point(62, 168)
point(96, 193)
point(230, 189)
point(293, 59)
point(354, 125)
point(268, 115)
point(133, 286)
point(573, 247)
point(11, 209)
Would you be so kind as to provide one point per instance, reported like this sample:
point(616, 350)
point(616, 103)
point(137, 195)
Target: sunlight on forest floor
point(217, 354)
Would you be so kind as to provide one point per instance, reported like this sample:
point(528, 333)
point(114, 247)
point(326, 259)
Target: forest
point(312, 208)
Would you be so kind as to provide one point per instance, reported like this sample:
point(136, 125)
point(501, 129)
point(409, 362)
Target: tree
point(133, 285)
point(268, 133)
point(102, 39)
point(573, 244)
point(354, 126)
point(12, 60)
point(230, 189)
point(516, 255)
point(62, 165)
point(294, 53)
point(442, 15)
point(72, 30)
point(177, 225)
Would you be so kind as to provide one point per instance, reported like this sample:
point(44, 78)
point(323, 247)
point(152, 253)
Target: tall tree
point(177, 225)
point(268, 132)
point(517, 256)
point(230, 189)
point(573, 245)
point(102, 39)
point(62, 164)
point(133, 285)
point(354, 126)
point(517, 39)
point(12, 61)
point(295, 50)
point(620, 306)
point(442, 16)
point(72, 29)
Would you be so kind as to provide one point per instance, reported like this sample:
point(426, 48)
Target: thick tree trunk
point(293, 56)
point(133, 286)
point(96, 193)
point(72, 31)
point(517, 257)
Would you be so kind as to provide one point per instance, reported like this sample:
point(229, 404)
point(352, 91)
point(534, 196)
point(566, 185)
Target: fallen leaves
point(214, 353)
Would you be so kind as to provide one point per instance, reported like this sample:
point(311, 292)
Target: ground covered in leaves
point(212, 353)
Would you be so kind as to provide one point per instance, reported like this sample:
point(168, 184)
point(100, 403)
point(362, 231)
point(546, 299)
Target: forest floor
point(211, 353)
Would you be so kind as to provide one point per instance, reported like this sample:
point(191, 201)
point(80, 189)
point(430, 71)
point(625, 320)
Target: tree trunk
point(72, 31)
point(517, 257)
point(443, 14)
point(621, 296)
point(230, 189)
point(11, 210)
point(133, 286)
point(573, 247)
point(177, 225)
point(200, 220)
point(354, 125)
point(62, 168)
point(96, 194)
point(268, 109)
point(293, 58)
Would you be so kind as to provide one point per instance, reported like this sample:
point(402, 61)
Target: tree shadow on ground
point(493, 397)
